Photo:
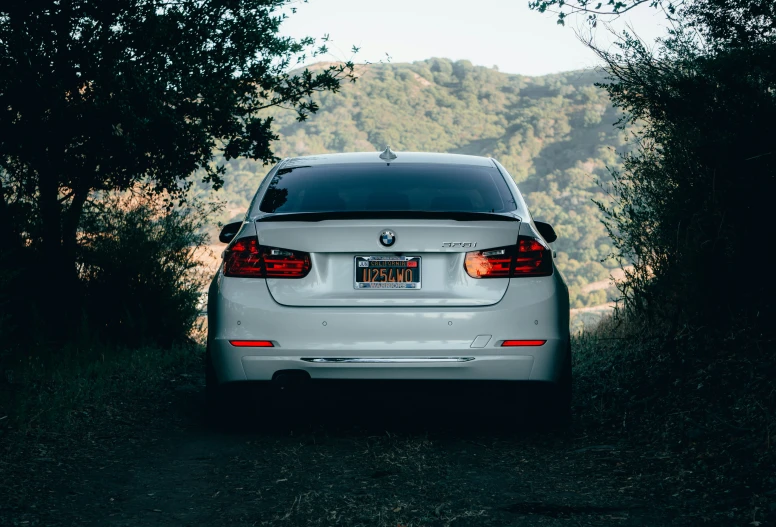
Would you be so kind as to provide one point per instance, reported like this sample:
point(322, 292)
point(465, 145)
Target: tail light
point(247, 259)
point(252, 343)
point(242, 258)
point(530, 257)
point(533, 258)
point(521, 343)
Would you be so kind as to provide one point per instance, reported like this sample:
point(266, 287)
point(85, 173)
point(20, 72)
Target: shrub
point(692, 203)
point(138, 264)
point(140, 280)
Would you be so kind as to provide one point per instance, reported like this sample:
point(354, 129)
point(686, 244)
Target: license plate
point(387, 272)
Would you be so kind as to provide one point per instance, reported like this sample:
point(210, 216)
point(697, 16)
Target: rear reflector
point(509, 343)
point(251, 343)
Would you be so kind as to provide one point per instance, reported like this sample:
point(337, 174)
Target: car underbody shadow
point(458, 407)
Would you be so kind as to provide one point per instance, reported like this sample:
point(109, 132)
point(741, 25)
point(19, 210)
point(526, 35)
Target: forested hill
point(553, 133)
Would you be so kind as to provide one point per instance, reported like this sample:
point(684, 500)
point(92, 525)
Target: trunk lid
point(441, 245)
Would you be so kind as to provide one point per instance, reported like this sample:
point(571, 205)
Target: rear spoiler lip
point(388, 215)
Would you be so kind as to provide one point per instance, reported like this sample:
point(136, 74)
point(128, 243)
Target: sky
point(502, 33)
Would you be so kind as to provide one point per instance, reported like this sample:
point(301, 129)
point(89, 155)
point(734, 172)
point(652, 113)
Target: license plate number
point(387, 272)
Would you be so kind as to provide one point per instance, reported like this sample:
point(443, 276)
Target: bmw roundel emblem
point(387, 238)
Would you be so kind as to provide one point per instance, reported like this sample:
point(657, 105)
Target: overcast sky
point(503, 33)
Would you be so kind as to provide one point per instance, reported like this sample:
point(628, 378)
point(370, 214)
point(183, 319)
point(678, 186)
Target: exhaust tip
point(286, 378)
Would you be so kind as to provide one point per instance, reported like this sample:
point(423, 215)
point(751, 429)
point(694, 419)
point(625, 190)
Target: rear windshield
point(383, 187)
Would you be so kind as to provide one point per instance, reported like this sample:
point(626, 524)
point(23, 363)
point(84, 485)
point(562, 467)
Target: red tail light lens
point(251, 343)
point(494, 263)
point(533, 258)
point(530, 257)
point(247, 259)
point(282, 263)
point(520, 343)
point(243, 258)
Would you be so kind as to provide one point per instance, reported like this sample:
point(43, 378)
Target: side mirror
point(546, 230)
point(229, 231)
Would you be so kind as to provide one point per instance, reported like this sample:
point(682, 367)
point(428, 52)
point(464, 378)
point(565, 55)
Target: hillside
point(553, 133)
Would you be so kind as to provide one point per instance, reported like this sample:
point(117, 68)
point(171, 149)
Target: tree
point(691, 200)
point(593, 9)
point(721, 22)
point(99, 95)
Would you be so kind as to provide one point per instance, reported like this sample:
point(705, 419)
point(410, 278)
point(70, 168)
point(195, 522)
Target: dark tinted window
point(396, 187)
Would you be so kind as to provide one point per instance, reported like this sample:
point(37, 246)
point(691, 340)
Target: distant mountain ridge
point(553, 133)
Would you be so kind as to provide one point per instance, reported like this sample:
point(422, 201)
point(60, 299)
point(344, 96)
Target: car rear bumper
point(418, 343)
point(540, 364)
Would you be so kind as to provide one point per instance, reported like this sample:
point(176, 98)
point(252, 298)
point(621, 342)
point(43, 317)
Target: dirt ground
point(408, 456)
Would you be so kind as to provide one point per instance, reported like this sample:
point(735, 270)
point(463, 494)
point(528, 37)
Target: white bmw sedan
point(389, 266)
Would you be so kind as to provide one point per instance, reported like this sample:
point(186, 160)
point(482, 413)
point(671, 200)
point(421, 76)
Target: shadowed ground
point(346, 455)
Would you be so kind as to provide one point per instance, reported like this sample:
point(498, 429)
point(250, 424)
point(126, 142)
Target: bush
point(692, 204)
point(141, 276)
point(140, 280)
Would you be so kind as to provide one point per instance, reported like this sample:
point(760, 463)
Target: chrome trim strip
point(337, 360)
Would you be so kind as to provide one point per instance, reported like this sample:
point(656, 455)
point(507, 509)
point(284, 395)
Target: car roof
point(401, 158)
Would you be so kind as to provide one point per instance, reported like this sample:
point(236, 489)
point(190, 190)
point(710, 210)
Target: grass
point(54, 392)
point(701, 408)
point(72, 406)
point(705, 402)
point(60, 394)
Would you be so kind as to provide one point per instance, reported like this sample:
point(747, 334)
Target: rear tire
point(219, 404)
point(211, 381)
point(554, 410)
point(561, 400)
point(222, 403)
point(213, 393)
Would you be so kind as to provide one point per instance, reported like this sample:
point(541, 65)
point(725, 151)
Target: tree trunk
point(70, 221)
point(6, 225)
point(57, 276)
point(50, 216)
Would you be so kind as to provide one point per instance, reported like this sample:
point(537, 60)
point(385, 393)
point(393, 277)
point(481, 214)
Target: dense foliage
point(101, 95)
point(143, 261)
point(691, 203)
point(140, 280)
point(104, 95)
point(554, 134)
point(690, 364)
